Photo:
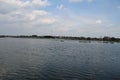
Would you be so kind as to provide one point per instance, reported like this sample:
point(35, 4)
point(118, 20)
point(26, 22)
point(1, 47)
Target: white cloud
point(12, 2)
point(79, 1)
point(34, 14)
point(29, 17)
point(75, 1)
point(73, 24)
point(61, 6)
point(98, 21)
point(42, 22)
point(25, 13)
point(12, 5)
point(25, 10)
point(41, 3)
point(48, 20)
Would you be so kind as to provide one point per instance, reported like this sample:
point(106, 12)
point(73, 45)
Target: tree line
point(106, 38)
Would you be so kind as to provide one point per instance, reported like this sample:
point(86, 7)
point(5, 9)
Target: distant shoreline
point(106, 38)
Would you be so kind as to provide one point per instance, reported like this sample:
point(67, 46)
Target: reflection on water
point(42, 59)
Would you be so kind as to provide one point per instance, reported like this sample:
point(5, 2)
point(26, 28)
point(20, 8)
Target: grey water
point(50, 59)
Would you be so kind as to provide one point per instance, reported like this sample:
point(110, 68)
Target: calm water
point(44, 59)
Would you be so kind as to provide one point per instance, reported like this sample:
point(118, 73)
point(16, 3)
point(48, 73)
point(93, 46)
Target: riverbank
point(106, 38)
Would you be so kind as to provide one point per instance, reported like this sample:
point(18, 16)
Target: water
point(47, 59)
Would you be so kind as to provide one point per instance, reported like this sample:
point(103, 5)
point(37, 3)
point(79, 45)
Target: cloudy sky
point(94, 18)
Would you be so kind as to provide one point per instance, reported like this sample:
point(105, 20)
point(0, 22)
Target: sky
point(89, 18)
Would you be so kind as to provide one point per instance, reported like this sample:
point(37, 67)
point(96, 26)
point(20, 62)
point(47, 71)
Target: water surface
point(50, 59)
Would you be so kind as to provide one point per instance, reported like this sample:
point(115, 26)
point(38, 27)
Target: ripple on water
point(42, 59)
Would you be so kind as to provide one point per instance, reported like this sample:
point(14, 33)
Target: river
point(53, 59)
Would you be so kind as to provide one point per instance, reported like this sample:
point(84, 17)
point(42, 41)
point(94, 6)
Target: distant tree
point(1, 36)
point(88, 38)
point(83, 38)
point(106, 38)
point(48, 36)
point(113, 39)
point(34, 36)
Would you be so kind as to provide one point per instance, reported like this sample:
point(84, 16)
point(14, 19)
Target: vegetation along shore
point(106, 38)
